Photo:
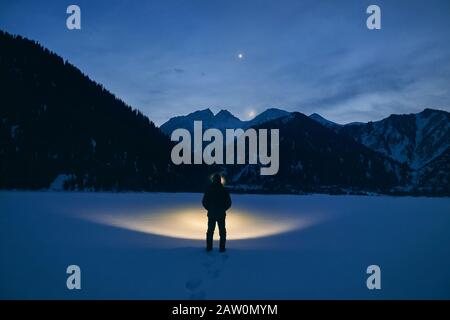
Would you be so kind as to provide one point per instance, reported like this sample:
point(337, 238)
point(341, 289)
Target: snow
point(421, 125)
point(323, 121)
point(429, 140)
point(299, 167)
point(13, 132)
point(58, 183)
point(246, 170)
point(222, 120)
point(265, 116)
point(140, 245)
point(432, 139)
point(93, 145)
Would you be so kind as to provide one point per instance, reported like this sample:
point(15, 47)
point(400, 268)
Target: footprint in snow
point(193, 286)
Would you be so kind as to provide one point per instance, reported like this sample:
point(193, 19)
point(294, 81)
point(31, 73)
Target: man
point(216, 201)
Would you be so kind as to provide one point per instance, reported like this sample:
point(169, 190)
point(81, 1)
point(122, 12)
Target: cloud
point(168, 58)
point(178, 70)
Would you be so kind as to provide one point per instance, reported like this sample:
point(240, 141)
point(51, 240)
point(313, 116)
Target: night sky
point(170, 57)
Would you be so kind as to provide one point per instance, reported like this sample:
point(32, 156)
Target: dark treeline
point(54, 120)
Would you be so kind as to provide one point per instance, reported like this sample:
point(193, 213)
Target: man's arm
point(205, 200)
point(227, 200)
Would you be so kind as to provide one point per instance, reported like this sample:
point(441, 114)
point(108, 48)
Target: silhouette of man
point(217, 201)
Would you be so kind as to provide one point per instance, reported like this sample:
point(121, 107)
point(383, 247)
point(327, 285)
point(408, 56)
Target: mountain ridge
point(415, 138)
point(221, 120)
point(59, 129)
point(318, 159)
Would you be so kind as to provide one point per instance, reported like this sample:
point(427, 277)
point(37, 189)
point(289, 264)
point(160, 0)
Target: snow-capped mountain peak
point(222, 120)
point(414, 139)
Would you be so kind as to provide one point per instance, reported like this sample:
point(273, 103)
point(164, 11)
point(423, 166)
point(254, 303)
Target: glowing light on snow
point(191, 224)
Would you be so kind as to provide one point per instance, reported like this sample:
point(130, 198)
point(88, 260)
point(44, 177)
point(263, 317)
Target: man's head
point(217, 179)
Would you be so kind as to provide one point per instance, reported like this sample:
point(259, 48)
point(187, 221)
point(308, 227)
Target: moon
point(240, 56)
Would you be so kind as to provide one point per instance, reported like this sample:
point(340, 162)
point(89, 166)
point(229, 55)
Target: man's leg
point(210, 233)
point(222, 233)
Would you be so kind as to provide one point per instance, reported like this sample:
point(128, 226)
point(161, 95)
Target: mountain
point(325, 122)
point(225, 119)
point(187, 122)
point(267, 115)
point(222, 120)
point(315, 155)
point(421, 141)
point(434, 177)
point(60, 129)
point(414, 139)
point(314, 158)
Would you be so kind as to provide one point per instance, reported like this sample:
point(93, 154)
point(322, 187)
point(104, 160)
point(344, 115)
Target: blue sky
point(173, 57)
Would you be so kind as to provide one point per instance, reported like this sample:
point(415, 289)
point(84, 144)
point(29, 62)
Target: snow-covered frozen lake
point(151, 246)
